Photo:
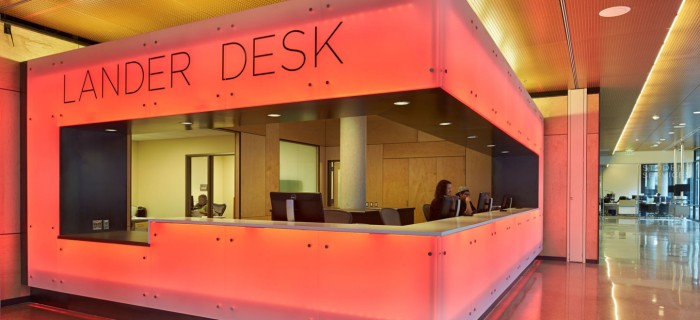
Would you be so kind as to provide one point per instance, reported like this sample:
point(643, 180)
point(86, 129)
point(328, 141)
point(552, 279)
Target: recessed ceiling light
point(401, 103)
point(274, 115)
point(654, 145)
point(682, 124)
point(636, 139)
point(696, 112)
point(662, 139)
point(111, 130)
point(187, 123)
point(614, 11)
point(490, 145)
point(505, 151)
point(671, 132)
point(655, 117)
point(445, 123)
point(679, 127)
point(472, 137)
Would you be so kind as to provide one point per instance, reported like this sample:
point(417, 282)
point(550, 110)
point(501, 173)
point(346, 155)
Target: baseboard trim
point(102, 308)
point(9, 302)
point(550, 258)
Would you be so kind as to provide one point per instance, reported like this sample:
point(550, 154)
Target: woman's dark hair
point(441, 188)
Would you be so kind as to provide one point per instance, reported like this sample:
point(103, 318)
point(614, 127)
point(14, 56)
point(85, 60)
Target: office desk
point(304, 269)
point(371, 215)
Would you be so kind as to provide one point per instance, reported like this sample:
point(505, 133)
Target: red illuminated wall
point(10, 232)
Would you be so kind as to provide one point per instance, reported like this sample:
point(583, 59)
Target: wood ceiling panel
point(106, 20)
point(532, 38)
point(672, 90)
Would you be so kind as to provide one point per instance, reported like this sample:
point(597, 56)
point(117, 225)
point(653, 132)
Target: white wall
point(158, 172)
point(621, 179)
point(298, 167)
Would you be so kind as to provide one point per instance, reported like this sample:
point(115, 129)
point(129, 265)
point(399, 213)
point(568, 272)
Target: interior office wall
point(225, 189)
point(158, 171)
point(253, 176)
point(10, 232)
point(621, 179)
point(554, 110)
point(393, 150)
point(299, 170)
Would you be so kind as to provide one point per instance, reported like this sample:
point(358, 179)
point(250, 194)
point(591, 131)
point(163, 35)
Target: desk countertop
point(433, 228)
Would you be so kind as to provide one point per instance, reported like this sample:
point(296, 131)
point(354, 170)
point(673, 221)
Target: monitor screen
point(507, 201)
point(484, 203)
point(308, 206)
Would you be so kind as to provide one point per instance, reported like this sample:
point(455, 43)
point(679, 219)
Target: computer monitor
point(484, 203)
point(308, 206)
point(507, 202)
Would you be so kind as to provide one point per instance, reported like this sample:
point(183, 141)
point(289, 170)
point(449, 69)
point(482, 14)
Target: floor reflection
point(648, 269)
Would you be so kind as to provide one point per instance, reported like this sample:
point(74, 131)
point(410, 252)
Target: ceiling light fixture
point(662, 139)
point(614, 11)
point(490, 145)
point(505, 151)
point(187, 123)
point(401, 103)
point(679, 127)
point(274, 115)
point(111, 130)
point(445, 123)
point(655, 117)
point(472, 137)
point(682, 124)
point(671, 132)
point(696, 112)
point(646, 82)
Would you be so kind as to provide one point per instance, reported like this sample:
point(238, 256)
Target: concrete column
point(353, 146)
point(577, 154)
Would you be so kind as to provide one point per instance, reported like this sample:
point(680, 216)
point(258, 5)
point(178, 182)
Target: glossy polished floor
point(648, 270)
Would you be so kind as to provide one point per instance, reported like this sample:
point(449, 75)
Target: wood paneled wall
point(252, 175)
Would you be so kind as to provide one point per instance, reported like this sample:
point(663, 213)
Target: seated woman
point(443, 205)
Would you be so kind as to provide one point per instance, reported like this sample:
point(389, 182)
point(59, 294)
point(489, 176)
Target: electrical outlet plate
point(96, 225)
point(105, 224)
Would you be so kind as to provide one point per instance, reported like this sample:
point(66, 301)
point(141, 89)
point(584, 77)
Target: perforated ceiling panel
point(105, 20)
point(531, 36)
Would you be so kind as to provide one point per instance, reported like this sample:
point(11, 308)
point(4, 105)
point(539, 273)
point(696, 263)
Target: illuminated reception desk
point(243, 269)
point(301, 61)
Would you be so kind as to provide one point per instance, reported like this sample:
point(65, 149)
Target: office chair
point(426, 211)
point(337, 216)
point(218, 208)
point(390, 217)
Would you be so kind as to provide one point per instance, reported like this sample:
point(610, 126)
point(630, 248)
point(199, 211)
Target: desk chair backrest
point(218, 208)
point(337, 216)
point(426, 211)
point(390, 217)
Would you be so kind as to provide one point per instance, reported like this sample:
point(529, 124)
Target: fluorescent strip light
point(646, 82)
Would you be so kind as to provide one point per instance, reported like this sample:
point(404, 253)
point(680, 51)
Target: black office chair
point(218, 208)
point(337, 216)
point(426, 211)
point(390, 217)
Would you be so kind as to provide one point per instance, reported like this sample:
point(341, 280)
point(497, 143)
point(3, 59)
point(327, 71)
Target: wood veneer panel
point(272, 162)
point(478, 173)
point(555, 200)
point(252, 175)
point(395, 182)
point(374, 170)
point(422, 178)
point(451, 168)
point(422, 150)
